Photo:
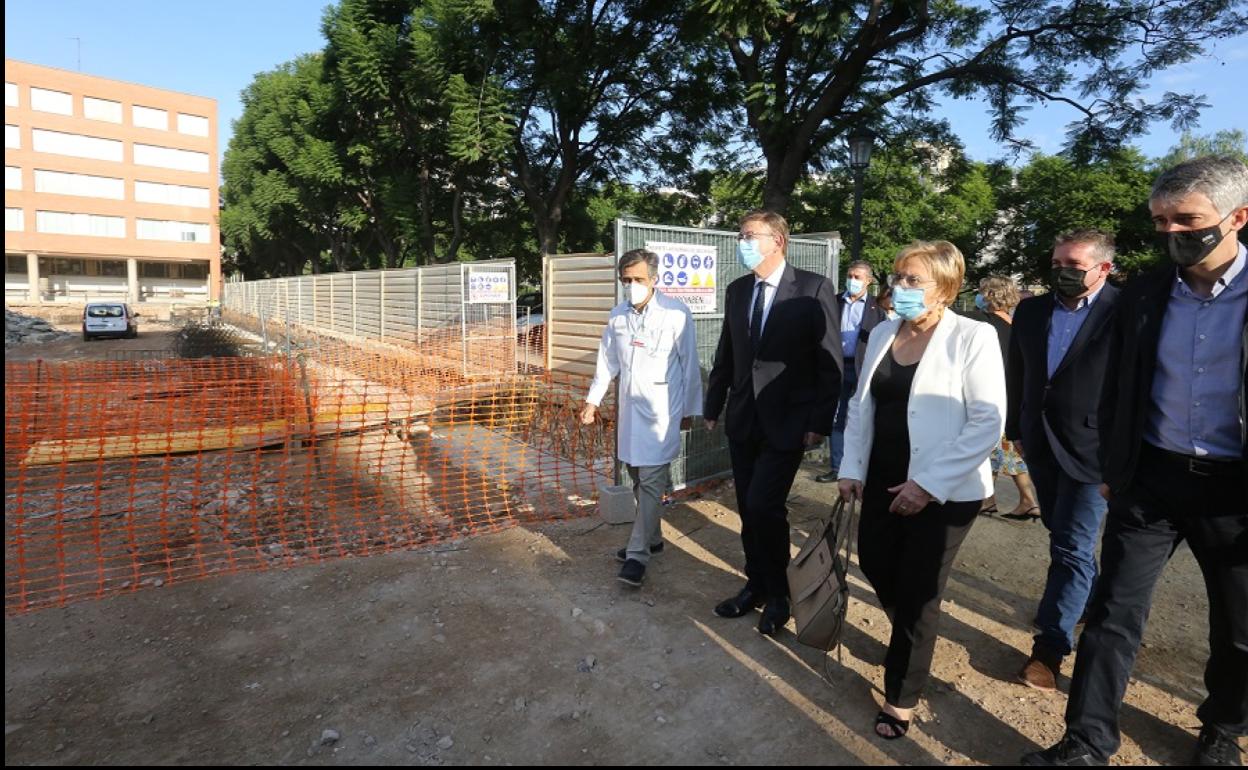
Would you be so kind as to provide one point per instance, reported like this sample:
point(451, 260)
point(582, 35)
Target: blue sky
point(215, 49)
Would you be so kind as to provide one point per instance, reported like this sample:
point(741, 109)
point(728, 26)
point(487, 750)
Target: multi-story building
point(110, 190)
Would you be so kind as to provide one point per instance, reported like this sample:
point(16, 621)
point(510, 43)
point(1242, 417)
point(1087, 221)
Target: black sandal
point(988, 511)
point(900, 726)
point(1027, 515)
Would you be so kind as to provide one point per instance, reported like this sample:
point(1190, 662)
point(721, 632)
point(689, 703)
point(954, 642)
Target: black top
point(1002, 328)
point(890, 449)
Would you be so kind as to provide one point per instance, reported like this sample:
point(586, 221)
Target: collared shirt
point(851, 322)
point(1195, 398)
point(1065, 324)
point(769, 284)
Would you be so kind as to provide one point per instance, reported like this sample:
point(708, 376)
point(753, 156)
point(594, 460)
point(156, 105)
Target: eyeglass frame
point(895, 279)
point(749, 236)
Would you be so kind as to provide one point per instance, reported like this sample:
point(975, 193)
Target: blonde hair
point(943, 261)
point(1000, 292)
point(774, 221)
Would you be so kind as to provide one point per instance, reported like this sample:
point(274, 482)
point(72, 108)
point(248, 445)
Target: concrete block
point(616, 504)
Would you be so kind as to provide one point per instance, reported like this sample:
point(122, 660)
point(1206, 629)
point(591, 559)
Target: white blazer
point(956, 409)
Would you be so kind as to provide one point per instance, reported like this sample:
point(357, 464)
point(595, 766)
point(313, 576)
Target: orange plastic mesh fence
point(121, 474)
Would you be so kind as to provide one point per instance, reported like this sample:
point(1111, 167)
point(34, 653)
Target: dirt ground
point(521, 647)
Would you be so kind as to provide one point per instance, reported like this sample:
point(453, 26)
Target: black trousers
point(908, 560)
point(763, 476)
point(1166, 504)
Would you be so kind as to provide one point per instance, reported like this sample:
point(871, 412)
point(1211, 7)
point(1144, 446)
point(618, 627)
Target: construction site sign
point(488, 286)
point(687, 273)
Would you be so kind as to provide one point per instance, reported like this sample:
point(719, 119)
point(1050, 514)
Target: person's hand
point(813, 439)
point(1105, 493)
point(850, 490)
point(710, 424)
point(911, 498)
point(686, 423)
point(588, 414)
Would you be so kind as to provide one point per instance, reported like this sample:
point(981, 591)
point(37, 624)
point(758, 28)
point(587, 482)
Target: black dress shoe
point(775, 615)
point(747, 600)
point(1216, 749)
point(1068, 752)
point(827, 478)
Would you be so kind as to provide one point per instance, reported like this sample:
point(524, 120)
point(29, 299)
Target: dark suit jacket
point(1068, 401)
point(794, 383)
point(872, 316)
point(1127, 397)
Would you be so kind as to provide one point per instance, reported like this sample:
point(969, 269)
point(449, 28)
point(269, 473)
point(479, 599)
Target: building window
point(12, 178)
point(14, 265)
point(67, 223)
point(153, 270)
point(149, 117)
point(165, 230)
point(114, 268)
point(14, 219)
point(195, 272)
point(59, 102)
point(12, 137)
point(76, 145)
point(101, 109)
point(167, 157)
point(172, 194)
point(192, 124)
point(10, 95)
point(61, 183)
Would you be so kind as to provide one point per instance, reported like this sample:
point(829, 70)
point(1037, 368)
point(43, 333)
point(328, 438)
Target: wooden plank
point(54, 452)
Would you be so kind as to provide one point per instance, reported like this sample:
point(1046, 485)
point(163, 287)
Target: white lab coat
point(956, 409)
point(655, 355)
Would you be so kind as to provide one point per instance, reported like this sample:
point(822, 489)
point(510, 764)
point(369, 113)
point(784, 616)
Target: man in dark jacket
point(1059, 352)
point(1174, 454)
point(859, 315)
point(778, 371)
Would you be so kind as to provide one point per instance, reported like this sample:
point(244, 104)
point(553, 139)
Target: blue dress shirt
point(851, 322)
point(1195, 397)
point(1064, 326)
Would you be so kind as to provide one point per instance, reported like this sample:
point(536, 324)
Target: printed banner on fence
point(687, 273)
point(488, 286)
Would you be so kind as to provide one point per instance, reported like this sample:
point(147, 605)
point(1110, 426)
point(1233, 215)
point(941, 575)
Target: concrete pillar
point(132, 279)
point(32, 276)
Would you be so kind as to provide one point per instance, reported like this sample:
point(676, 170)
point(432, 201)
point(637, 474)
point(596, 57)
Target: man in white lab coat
point(650, 344)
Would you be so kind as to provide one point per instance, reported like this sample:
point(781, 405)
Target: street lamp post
point(860, 143)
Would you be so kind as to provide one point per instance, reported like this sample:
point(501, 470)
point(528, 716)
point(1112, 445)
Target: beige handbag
point(818, 584)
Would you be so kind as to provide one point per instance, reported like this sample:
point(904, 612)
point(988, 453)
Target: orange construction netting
point(124, 474)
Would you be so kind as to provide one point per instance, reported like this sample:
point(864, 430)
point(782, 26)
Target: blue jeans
point(1072, 511)
point(836, 442)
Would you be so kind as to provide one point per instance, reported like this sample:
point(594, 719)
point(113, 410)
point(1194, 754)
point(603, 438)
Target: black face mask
point(1068, 281)
point(1188, 247)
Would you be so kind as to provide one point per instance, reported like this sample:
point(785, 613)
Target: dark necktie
point(756, 317)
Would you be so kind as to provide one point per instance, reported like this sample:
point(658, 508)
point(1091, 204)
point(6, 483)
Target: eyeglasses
point(754, 236)
point(908, 281)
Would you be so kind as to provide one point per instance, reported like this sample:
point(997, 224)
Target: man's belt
point(1199, 466)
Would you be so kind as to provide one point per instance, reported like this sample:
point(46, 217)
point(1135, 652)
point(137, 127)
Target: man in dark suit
point(1059, 352)
point(1174, 454)
point(778, 368)
point(859, 315)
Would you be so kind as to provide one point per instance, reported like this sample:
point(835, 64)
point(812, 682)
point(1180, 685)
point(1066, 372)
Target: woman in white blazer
point(929, 408)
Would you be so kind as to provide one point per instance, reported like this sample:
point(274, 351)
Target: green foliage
point(1230, 142)
point(1053, 194)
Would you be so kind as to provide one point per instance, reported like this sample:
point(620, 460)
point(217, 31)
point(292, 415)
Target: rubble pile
point(21, 329)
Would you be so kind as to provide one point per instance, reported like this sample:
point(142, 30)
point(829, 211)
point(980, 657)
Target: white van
point(109, 319)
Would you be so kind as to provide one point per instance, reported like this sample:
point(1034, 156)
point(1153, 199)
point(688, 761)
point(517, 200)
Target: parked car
point(109, 319)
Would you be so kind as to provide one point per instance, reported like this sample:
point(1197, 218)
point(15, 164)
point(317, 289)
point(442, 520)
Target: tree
point(1054, 193)
point(804, 72)
point(1230, 142)
point(284, 187)
point(592, 85)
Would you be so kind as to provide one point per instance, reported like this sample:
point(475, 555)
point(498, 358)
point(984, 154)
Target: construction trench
point(133, 473)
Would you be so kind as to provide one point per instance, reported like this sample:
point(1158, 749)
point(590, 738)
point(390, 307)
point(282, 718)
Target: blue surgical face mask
point(909, 302)
point(749, 254)
point(854, 287)
point(981, 303)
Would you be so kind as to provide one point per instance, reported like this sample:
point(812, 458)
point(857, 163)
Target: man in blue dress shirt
point(1173, 456)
